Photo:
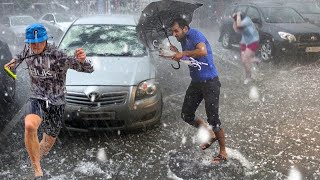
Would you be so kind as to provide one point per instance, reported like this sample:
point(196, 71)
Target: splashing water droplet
point(184, 140)
point(93, 98)
point(101, 155)
point(203, 135)
point(254, 93)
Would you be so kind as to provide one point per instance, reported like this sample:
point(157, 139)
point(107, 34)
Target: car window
point(253, 13)
point(5, 21)
point(22, 20)
point(64, 18)
point(241, 8)
point(281, 15)
point(228, 12)
point(308, 8)
point(103, 40)
point(50, 17)
point(46, 17)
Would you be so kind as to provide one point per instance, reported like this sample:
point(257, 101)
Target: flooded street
point(271, 125)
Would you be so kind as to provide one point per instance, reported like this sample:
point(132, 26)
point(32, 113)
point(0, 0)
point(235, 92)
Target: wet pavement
point(271, 127)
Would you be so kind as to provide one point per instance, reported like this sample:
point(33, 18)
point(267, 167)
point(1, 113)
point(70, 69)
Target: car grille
point(103, 100)
point(97, 125)
point(312, 37)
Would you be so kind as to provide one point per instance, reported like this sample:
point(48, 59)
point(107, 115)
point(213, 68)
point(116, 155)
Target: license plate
point(98, 115)
point(313, 49)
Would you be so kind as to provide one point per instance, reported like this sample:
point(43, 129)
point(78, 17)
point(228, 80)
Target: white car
point(122, 92)
point(60, 20)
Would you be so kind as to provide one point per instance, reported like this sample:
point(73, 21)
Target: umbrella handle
point(155, 45)
point(176, 67)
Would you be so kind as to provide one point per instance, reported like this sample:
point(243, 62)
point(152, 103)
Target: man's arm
point(200, 51)
point(235, 28)
point(80, 62)
point(17, 59)
point(239, 19)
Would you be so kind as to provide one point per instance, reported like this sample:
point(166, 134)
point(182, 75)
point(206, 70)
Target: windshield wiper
point(109, 54)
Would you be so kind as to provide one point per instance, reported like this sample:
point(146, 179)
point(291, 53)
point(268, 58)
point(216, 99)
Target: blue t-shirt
point(193, 38)
point(249, 33)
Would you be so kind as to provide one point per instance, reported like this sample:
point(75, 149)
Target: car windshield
point(64, 18)
point(22, 20)
point(103, 40)
point(281, 15)
point(308, 8)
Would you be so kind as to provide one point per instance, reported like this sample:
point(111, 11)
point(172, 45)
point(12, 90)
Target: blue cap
point(36, 33)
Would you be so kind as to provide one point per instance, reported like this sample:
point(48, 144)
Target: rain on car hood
point(313, 17)
point(112, 71)
point(20, 30)
point(297, 28)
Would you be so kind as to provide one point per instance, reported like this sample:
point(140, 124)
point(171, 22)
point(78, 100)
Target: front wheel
point(226, 43)
point(266, 51)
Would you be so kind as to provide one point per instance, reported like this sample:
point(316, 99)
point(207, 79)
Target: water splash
point(203, 135)
point(294, 174)
point(254, 93)
point(101, 155)
point(93, 98)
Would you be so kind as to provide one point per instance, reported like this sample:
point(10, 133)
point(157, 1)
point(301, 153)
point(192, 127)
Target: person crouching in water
point(47, 66)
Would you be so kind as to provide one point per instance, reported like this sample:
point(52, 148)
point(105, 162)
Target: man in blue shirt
point(205, 84)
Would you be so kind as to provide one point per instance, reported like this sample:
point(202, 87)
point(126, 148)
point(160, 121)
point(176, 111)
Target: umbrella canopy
point(155, 20)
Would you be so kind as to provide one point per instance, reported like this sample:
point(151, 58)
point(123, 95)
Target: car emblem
point(313, 38)
point(93, 96)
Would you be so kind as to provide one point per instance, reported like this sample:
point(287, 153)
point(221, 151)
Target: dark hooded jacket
point(48, 72)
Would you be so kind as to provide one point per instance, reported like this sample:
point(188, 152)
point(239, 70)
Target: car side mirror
point(52, 21)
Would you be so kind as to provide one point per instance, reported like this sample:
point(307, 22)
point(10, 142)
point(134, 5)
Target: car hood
point(64, 25)
point(297, 28)
point(114, 71)
point(314, 17)
point(19, 29)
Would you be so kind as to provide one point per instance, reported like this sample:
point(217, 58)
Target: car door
point(257, 18)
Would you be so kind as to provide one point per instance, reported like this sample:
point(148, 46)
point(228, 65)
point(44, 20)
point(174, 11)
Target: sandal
point(208, 144)
point(219, 159)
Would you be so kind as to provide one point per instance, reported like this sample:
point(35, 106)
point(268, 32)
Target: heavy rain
point(122, 104)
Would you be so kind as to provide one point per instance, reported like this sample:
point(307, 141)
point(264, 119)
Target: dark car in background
point(122, 92)
point(17, 24)
point(7, 85)
point(8, 36)
point(282, 30)
point(309, 10)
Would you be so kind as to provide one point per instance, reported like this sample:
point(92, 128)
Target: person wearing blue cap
point(47, 66)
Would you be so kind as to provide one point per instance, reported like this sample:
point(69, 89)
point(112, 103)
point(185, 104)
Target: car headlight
point(146, 89)
point(287, 36)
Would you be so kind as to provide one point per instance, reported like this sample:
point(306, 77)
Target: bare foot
point(219, 159)
point(208, 144)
